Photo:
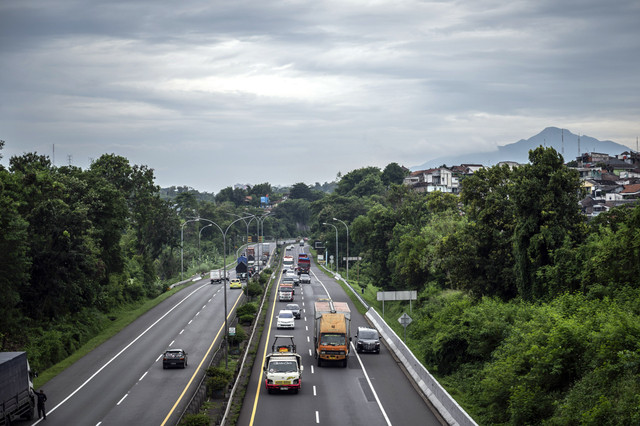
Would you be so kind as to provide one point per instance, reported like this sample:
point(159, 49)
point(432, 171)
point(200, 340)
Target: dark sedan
point(174, 358)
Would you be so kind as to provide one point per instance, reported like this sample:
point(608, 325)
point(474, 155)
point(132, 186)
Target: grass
point(123, 317)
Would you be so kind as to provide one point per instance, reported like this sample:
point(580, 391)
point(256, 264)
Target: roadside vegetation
point(527, 313)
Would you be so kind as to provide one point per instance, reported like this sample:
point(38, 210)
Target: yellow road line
point(199, 366)
point(266, 347)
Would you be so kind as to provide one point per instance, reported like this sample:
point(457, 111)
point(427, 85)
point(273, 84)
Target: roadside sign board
point(232, 331)
point(405, 320)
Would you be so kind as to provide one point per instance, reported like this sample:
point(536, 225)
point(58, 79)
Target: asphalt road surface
point(372, 390)
point(122, 382)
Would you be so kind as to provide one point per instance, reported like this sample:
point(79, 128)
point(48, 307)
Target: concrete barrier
point(448, 408)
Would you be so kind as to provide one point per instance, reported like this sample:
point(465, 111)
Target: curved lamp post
point(345, 225)
point(182, 247)
point(224, 282)
point(200, 236)
point(336, 228)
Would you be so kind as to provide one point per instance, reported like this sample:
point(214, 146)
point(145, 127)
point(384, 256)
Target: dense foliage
point(527, 313)
point(78, 245)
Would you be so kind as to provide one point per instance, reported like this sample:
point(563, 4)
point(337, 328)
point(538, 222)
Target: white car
point(305, 279)
point(285, 319)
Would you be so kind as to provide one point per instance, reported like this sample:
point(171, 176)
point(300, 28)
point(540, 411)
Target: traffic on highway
point(335, 370)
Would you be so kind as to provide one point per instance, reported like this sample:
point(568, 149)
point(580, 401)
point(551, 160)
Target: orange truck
point(332, 331)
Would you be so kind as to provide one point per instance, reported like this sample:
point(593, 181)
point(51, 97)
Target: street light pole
point(224, 283)
point(336, 228)
point(199, 236)
point(182, 247)
point(260, 221)
point(345, 225)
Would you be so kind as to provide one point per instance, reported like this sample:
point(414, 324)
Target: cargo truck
point(287, 263)
point(217, 276)
point(283, 367)
point(331, 331)
point(304, 263)
point(17, 397)
point(241, 269)
point(251, 256)
point(285, 292)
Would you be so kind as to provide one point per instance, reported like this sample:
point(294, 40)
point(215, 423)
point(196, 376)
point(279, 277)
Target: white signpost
point(397, 295)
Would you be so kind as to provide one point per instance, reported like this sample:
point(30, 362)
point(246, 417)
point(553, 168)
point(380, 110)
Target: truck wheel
point(269, 390)
point(295, 391)
point(319, 362)
point(344, 363)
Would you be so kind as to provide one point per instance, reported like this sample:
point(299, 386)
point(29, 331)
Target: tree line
point(527, 312)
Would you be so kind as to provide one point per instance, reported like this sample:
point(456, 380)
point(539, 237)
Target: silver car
point(305, 279)
point(295, 309)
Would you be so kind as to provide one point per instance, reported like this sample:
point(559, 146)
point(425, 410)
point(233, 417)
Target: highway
point(372, 390)
point(122, 381)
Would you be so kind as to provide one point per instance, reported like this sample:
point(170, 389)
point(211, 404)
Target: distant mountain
point(519, 151)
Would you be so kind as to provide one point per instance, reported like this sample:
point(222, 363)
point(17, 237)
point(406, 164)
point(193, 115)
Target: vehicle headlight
point(323, 352)
point(296, 381)
point(269, 381)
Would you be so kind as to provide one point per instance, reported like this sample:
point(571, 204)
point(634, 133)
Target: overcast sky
point(214, 93)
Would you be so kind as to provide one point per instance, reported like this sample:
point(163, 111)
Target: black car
point(295, 309)
point(367, 340)
point(174, 358)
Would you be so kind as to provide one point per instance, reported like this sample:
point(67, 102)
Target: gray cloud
point(215, 93)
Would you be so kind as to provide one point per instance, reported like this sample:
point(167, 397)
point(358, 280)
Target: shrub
point(247, 309)
point(195, 420)
point(246, 319)
point(240, 336)
point(253, 289)
point(218, 379)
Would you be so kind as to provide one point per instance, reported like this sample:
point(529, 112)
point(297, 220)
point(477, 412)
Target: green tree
point(545, 195)
point(361, 182)
point(479, 258)
point(393, 174)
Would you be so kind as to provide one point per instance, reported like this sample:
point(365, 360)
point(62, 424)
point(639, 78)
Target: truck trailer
point(331, 331)
point(17, 397)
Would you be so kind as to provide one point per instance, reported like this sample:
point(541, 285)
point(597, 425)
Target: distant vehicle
point(235, 283)
point(287, 262)
point(217, 276)
point(305, 279)
point(287, 279)
point(291, 277)
point(304, 263)
point(174, 358)
point(295, 309)
point(301, 243)
point(367, 340)
point(251, 256)
point(285, 292)
point(242, 270)
point(17, 398)
point(285, 319)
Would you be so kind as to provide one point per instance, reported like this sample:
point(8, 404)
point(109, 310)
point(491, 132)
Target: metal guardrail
point(448, 408)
